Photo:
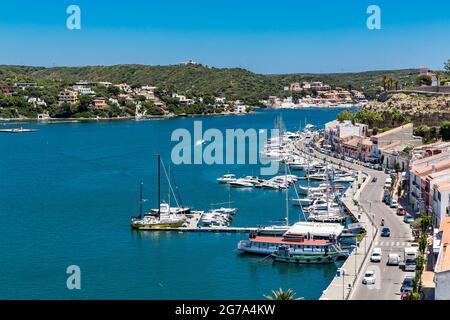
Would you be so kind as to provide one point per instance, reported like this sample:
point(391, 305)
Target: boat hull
point(305, 259)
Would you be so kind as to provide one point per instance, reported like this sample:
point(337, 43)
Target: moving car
point(401, 211)
point(393, 259)
point(385, 232)
point(407, 285)
point(376, 255)
point(369, 277)
point(374, 179)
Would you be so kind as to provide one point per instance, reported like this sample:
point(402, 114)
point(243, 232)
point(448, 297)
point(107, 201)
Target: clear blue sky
point(262, 36)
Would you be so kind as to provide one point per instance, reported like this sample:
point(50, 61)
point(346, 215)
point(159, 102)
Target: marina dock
point(205, 229)
point(17, 130)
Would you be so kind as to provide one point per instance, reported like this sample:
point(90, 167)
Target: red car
point(401, 212)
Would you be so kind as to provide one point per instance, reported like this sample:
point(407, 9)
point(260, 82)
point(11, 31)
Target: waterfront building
point(7, 91)
point(295, 87)
point(441, 201)
point(419, 169)
point(240, 108)
point(349, 146)
point(428, 150)
point(68, 96)
point(336, 132)
point(402, 134)
point(396, 153)
point(24, 85)
point(37, 102)
point(124, 87)
point(430, 181)
point(83, 89)
point(418, 194)
point(220, 100)
point(442, 267)
point(104, 84)
point(100, 103)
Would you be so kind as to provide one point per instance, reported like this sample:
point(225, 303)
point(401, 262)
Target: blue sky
point(262, 36)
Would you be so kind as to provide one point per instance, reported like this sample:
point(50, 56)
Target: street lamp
point(356, 257)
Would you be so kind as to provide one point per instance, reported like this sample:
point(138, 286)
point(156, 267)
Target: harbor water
point(67, 193)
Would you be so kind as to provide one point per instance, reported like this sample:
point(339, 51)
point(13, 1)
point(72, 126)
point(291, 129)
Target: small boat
point(163, 217)
point(227, 178)
point(344, 179)
point(302, 202)
point(241, 183)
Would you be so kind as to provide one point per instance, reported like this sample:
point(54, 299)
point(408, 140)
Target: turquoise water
point(67, 193)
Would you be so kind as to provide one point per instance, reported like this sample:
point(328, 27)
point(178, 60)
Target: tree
point(447, 65)
point(445, 130)
point(423, 242)
point(423, 80)
point(85, 102)
point(345, 115)
point(283, 295)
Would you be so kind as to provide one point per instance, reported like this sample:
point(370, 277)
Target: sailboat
point(162, 217)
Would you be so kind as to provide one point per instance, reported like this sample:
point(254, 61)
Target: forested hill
point(234, 83)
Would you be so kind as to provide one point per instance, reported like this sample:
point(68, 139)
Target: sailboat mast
point(287, 195)
point(140, 201)
point(169, 189)
point(159, 186)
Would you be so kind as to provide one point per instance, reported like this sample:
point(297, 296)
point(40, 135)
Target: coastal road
point(389, 278)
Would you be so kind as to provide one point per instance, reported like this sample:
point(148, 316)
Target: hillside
point(398, 108)
point(233, 83)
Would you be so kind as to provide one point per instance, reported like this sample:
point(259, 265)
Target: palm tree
point(439, 77)
point(283, 295)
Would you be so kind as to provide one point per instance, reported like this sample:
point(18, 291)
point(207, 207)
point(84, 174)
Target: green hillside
point(199, 80)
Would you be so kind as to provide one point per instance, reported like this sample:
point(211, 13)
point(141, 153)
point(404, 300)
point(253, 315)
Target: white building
point(441, 197)
point(37, 102)
point(335, 131)
point(240, 108)
point(442, 267)
point(82, 89)
point(220, 100)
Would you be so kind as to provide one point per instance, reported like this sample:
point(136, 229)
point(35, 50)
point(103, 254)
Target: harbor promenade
point(389, 279)
point(343, 283)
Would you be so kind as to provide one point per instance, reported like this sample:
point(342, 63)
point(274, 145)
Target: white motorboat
point(302, 202)
point(227, 178)
point(241, 183)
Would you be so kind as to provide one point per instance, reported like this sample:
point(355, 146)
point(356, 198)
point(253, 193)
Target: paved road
point(389, 278)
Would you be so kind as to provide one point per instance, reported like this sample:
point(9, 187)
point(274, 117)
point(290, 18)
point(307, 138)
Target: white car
point(394, 204)
point(376, 255)
point(393, 259)
point(369, 277)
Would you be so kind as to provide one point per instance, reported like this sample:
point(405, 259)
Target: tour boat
point(267, 245)
point(325, 253)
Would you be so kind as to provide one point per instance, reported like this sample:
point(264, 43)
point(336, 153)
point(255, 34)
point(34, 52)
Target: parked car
point(394, 204)
point(407, 285)
point(393, 259)
point(376, 255)
point(386, 232)
point(408, 218)
point(369, 277)
point(401, 211)
point(410, 265)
